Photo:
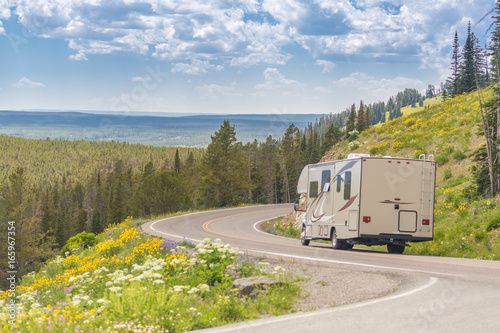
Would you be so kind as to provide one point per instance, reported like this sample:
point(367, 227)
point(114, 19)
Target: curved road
point(447, 294)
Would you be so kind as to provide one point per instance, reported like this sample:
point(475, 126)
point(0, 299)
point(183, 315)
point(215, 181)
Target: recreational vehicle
point(369, 200)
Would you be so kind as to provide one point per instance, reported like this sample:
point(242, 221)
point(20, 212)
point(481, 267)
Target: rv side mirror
point(296, 206)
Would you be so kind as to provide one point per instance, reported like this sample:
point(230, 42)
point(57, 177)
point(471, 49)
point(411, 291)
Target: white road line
point(350, 263)
point(266, 233)
point(321, 313)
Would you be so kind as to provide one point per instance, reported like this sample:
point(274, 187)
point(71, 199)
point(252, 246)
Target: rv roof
point(357, 156)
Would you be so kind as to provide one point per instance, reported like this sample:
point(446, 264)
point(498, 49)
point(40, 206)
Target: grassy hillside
point(465, 225)
point(130, 282)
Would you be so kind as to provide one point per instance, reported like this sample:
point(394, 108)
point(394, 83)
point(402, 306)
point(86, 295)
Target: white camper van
point(369, 200)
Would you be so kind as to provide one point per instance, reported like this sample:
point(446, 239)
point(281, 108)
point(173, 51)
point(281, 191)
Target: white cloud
point(4, 13)
point(374, 88)
point(287, 11)
point(252, 32)
point(78, 57)
point(214, 90)
point(24, 82)
point(196, 67)
point(327, 65)
point(141, 79)
point(274, 80)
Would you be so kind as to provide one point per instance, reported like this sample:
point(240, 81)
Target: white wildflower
point(193, 290)
point(35, 305)
point(115, 289)
point(204, 287)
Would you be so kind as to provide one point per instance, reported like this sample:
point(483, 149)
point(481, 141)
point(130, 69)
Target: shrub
point(494, 223)
point(447, 174)
point(79, 242)
point(459, 155)
point(442, 159)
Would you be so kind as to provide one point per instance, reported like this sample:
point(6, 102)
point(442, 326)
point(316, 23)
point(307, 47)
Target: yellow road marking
point(206, 228)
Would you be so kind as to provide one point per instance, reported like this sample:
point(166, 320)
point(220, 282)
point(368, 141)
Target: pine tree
point(81, 221)
point(291, 160)
point(190, 160)
point(430, 92)
point(47, 222)
point(368, 118)
point(454, 80)
point(487, 174)
point(177, 161)
point(149, 169)
point(96, 224)
point(269, 167)
point(467, 82)
point(59, 233)
point(351, 121)
point(480, 66)
point(444, 95)
point(494, 46)
point(360, 125)
point(223, 180)
point(332, 136)
point(116, 212)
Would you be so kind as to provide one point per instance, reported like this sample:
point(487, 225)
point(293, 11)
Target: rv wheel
point(347, 246)
point(394, 248)
point(336, 243)
point(303, 239)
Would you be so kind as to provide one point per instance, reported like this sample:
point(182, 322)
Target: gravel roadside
point(326, 285)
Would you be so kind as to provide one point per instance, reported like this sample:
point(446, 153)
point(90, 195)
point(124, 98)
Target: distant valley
point(158, 130)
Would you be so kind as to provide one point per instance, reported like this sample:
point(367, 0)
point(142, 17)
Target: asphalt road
point(445, 294)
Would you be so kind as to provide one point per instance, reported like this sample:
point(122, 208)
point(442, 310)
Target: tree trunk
point(489, 143)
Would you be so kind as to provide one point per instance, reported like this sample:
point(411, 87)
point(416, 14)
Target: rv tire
point(395, 248)
point(347, 246)
point(303, 239)
point(337, 244)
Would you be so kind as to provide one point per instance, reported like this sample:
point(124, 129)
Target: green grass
point(279, 227)
point(129, 281)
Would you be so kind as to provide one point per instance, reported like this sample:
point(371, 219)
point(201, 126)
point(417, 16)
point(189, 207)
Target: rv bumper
point(383, 239)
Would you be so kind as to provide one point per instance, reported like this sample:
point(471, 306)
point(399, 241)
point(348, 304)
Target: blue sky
point(228, 56)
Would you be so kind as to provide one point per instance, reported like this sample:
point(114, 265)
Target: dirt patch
point(327, 285)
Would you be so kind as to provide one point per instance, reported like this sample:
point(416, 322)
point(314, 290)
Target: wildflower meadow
point(131, 282)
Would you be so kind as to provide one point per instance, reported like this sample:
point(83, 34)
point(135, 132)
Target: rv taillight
point(367, 219)
point(425, 222)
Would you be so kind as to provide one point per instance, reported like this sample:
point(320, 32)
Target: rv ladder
point(427, 197)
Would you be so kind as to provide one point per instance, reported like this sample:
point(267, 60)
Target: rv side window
point(313, 189)
point(347, 186)
point(325, 177)
point(339, 182)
